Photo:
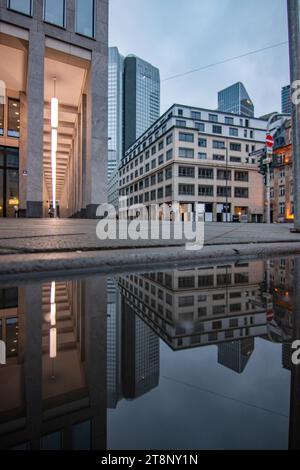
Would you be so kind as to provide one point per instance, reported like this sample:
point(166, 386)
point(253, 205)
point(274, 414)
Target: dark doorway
point(9, 181)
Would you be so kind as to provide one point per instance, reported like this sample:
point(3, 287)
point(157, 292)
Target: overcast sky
point(179, 35)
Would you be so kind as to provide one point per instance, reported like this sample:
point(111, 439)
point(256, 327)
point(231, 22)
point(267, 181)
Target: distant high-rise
point(133, 103)
point(141, 98)
point(236, 100)
point(286, 102)
point(115, 109)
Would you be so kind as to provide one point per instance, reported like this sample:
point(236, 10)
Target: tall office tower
point(115, 108)
point(140, 355)
point(114, 385)
point(236, 100)
point(286, 101)
point(141, 98)
point(235, 355)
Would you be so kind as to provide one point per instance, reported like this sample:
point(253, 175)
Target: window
point(218, 158)
point(186, 153)
point(213, 117)
point(222, 191)
point(169, 155)
point(200, 126)
point(202, 156)
point(282, 208)
point(186, 171)
point(160, 193)
point(153, 195)
point(282, 191)
point(54, 12)
point(206, 173)
point(180, 123)
point(241, 176)
point(153, 164)
point(202, 143)
point(218, 144)
point(229, 120)
point(168, 173)
point(235, 159)
point(224, 175)
point(169, 139)
point(184, 137)
point(168, 190)
point(187, 301)
point(233, 132)
point(241, 192)
point(206, 281)
point(153, 180)
point(161, 145)
point(186, 282)
point(205, 190)
point(22, 6)
point(196, 115)
point(180, 112)
point(153, 150)
point(235, 147)
point(160, 177)
point(186, 189)
point(85, 17)
point(217, 129)
point(13, 128)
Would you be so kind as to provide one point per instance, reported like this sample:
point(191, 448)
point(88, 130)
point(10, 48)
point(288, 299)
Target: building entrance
point(9, 181)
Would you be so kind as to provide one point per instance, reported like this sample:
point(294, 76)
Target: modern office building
point(141, 98)
point(199, 159)
point(236, 100)
point(53, 107)
point(133, 106)
point(115, 109)
point(236, 354)
point(286, 101)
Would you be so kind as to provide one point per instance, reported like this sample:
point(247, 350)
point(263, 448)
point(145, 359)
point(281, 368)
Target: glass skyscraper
point(236, 100)
point(286, 101)
point(115, 109)
point(133, 102)
point(141, 98)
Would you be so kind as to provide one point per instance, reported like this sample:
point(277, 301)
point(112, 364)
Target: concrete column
point(294, 39)
point(97, 134)
point(35, 116)
point(83, 153)
point(33, 363)
point(95, 334)
point(294, 436)
point(23, 155)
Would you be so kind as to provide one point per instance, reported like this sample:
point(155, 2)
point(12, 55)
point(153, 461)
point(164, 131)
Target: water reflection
point(87, 355)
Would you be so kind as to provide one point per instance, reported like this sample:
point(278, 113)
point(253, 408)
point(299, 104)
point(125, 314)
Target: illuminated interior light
point(54, 113)
point(53, 343)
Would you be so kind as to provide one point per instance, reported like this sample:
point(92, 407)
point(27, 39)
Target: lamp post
point(293, 7)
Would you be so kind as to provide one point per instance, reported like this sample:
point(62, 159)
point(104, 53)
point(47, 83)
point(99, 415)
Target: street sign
point(269, 150)
point(269, 141)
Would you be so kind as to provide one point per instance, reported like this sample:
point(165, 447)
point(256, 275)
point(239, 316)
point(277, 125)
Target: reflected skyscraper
point(236, 354)
point(286, 101)
point(236, 100)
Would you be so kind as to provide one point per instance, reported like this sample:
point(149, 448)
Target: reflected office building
point(53, 387)
point(132, 351)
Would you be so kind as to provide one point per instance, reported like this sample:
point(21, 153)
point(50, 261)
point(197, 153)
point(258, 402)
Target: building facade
point(53, 109)
point(115, 109)
point(199, 159)
point(286, 101)
point(141, 98)
point(282, 180)
point(236, 100)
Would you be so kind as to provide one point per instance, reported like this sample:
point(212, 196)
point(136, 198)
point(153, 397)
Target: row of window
point(209, 173)
point(197, 116)
point(55, 13)
point(151, 196)
point(216, 129)
point(205, 190)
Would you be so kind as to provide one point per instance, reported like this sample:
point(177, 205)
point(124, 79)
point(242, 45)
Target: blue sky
point(180, 35)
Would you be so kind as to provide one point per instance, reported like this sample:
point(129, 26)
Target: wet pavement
point(182, 358)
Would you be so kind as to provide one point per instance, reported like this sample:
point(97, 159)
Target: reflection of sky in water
point(192, 411)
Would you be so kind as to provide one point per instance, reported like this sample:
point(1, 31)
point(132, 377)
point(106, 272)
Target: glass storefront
point(9, 181)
